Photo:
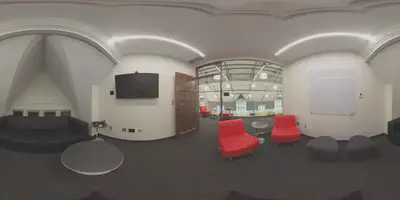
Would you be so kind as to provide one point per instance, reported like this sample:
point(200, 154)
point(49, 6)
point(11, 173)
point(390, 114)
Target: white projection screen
point(333, 92)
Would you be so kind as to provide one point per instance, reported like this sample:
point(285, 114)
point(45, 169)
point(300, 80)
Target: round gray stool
point(323, 148)
point(92, 158)
point(361, 147)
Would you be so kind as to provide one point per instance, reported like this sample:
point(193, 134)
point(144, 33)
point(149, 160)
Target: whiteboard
point(333, 92)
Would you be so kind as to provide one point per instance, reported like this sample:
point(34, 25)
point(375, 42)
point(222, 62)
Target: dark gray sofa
point(394, 131)
point(41, 134)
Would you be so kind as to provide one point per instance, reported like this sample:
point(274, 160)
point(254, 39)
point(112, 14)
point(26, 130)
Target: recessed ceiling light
point(275, 87)
point(231, 95)
point(206, 87)
point(249, 95)
point(228, 85)
point(266, 95)
point(217, 77)
point(323, 35)
point(263, 76)
point(118, 39)
point(253, 85)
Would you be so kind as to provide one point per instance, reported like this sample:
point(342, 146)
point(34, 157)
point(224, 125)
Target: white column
point(388, 105)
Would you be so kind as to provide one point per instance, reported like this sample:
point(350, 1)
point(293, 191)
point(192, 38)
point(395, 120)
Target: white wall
point(57, 67)
point(369, 117)
point(386, 67)
point(87, 67)
point(155, 117)
point(42, 94)
point(26, 69)
point(11, 52)
point(388, 105)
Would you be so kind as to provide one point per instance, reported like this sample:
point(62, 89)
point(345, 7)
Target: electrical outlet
point(131, 130)
point(123, 129)
point(139, 130)
point(305, 125)
point(110, 128)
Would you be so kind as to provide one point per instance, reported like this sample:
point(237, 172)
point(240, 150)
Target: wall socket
point(131, 130)
point(123, 129)
point(139, 130)
point(110, 128)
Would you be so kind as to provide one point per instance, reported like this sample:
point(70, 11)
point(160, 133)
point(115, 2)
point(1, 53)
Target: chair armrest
point(78, 126)
point(3, 122)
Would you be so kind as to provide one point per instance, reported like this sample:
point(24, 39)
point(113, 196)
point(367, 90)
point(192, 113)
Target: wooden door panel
point(186, 103)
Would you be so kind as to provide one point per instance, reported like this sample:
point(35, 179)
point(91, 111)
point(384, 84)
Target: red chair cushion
point(285, 135)
point(285, 121)
point(203, 110)
point(233, 140)
point(238, 145)
point(285, 129)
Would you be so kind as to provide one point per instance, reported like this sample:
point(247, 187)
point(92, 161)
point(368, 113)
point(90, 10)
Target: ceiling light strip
point(118, 39)
point(259, 72)
point(323, 35)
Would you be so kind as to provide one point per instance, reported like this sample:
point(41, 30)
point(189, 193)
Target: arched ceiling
point(220, 28)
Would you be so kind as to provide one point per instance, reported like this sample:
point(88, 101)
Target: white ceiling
point(274, 7)
point(218, 28)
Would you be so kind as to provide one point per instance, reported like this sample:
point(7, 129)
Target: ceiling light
point(228, 85)
point(249, 95)
point(259, 72)
point(206, 87)
point(217, 77)
point(263, 76)
point(231, 95)
point(215, 96)
point(275, 87)
point(323, 35)
point(253, 85)
point(117, 39)
point(266, 95)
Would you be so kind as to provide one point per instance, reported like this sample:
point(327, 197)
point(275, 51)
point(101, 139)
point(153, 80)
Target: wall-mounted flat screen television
point(138, 85)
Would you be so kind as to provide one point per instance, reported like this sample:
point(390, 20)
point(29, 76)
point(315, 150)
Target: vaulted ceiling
point(217, 28)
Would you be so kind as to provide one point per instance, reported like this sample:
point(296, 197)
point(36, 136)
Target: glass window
point(19, 113)
point(33, 113)
point(49, 113)
point(65, 113)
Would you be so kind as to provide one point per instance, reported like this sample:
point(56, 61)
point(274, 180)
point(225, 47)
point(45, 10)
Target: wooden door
point(186, 104)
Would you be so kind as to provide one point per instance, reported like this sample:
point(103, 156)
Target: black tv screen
point(139, 85)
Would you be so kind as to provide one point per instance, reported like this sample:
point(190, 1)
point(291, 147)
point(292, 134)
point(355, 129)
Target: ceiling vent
point(194, 60)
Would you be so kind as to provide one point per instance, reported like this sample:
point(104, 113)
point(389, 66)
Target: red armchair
point(204, 111)
point(233, 139)
point(226, 115)
point(285, 129)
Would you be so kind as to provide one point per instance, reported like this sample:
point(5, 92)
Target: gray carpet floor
point(191, 168)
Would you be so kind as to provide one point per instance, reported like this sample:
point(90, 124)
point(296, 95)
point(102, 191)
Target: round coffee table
point(92, 158)
point(259, 125)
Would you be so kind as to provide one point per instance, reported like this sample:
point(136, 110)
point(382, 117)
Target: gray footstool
point(361, 147)
point(323, 148)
